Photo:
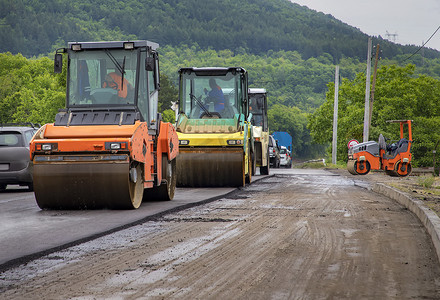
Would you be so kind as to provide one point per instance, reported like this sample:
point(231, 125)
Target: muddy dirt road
point(303, 236)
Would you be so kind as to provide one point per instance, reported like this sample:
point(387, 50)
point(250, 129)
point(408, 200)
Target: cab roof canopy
point(213, 71)
point(257, 91)
point(112, 45)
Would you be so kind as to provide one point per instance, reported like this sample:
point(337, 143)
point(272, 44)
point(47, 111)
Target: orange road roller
point(393, 158)
point(109, 147)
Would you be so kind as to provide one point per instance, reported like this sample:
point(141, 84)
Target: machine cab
point(110, 83)
point(213, 93)
point(258, 107)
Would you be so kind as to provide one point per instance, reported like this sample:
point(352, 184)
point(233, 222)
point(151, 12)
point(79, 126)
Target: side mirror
point(149, 64)
point(58, 63)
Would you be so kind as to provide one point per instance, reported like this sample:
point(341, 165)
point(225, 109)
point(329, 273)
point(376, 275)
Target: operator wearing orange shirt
point(114, 81)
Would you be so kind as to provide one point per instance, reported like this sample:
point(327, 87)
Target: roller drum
point(210, 167)
point(87, 184)
point(351, 166)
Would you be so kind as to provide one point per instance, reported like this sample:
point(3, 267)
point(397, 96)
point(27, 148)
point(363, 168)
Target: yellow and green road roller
point(214, 129)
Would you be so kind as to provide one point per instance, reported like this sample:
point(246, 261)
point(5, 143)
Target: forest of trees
point(289, 50)
point(300, 96)
point(257, 26)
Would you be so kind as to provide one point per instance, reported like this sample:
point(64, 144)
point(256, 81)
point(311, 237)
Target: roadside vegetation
point(426, 181)
point(400, 95)
point(31, 92)
point(289, 50)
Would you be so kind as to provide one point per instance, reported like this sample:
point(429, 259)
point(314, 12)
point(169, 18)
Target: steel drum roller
point(86, 184)
point(351, 166)
point(210, 167)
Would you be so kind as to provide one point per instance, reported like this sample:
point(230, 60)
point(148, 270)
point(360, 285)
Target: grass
point(312, 165)
point(320, 164)
point(426, 181)
point(338, 165)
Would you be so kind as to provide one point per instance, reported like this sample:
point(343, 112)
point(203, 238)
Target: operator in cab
point(216, 94)
point(114, 81)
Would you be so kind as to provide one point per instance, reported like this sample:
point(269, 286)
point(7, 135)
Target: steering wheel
point(208, 99)
point(199, 103)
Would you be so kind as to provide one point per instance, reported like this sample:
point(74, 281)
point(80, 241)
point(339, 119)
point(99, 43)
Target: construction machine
point(260, 128)
point(214, 128)
point(394, 158)
point(108, 147)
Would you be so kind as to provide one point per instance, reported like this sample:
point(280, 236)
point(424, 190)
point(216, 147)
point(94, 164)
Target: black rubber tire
point(164, 192)
point(254, 163)
point(250, 170)
point(266, 169)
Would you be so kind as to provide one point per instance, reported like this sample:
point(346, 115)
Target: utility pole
point(367, 94)
point(373, 88)
point(335, 117)
point(433, 154)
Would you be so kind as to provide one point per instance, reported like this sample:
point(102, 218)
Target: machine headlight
point(183, 142)
point(129, 46)
point(76, 47)
point(235, 142)
point(115, 145)
point(46, 147)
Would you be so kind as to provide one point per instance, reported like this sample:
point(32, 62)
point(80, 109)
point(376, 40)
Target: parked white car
point(285, 157)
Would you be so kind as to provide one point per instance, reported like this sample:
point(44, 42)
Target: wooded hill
point(287, 49)
point(255, 26)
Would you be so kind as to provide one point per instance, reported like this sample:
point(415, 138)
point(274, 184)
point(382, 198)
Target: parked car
point(274, 153)
point(285, 157)
point(15, 164)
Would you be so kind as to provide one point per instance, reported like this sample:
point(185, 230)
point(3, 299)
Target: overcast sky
point(411, 21)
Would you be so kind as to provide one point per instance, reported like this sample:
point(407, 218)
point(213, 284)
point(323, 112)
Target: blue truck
point(284, 139)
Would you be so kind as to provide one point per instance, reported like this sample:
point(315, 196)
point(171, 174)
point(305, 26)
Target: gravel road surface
point(296, 235)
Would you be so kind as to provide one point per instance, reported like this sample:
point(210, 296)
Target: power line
point(422, 45)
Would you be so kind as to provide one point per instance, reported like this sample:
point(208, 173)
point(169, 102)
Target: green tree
point(400, 94)
point(293, 121)
point(29, 90)
point(168, 94)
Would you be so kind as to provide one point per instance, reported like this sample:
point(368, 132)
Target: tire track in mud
point(229, 257)
point(284, 237)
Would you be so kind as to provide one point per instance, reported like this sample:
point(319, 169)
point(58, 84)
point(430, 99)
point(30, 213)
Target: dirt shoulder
point(419, 185)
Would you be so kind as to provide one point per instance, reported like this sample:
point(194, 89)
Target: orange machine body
point(394, 159)
point(133, 140)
